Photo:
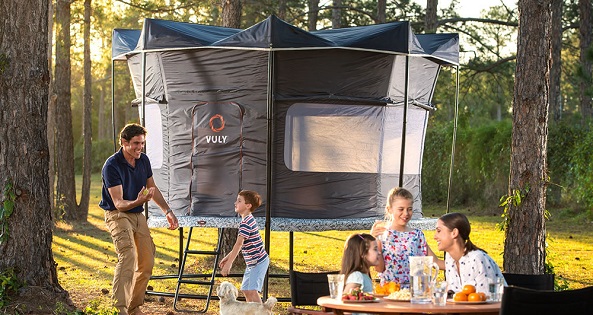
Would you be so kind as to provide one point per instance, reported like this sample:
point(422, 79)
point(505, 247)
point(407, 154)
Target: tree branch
point(493, 65)
point(159, 9)
point(489, 21)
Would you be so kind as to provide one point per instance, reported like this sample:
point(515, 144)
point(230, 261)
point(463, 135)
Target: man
point(127, 185)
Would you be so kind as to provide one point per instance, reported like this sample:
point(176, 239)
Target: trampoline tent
point(322, 124)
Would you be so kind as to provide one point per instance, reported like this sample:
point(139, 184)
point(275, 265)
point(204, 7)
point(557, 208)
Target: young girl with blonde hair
point(398, 241)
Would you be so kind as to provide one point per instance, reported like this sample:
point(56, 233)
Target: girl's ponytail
point(460, 222)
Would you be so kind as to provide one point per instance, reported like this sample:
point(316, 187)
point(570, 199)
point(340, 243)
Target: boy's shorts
point(253, 278)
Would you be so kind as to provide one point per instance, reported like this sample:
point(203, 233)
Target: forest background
point(482, 152)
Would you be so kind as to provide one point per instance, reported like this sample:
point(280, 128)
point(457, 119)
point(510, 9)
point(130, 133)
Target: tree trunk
point(524, 250)
point(51, 108)
point(337, 14)
point(381, 8)
point(556, 69)
point(83, 207)
point(430, 22)
point(24, 83)
point(65, 187)
point(282, 9)
point(313, 15)
point(103, 119)
point(229, 237)
point(585, 24)
point(231, 13)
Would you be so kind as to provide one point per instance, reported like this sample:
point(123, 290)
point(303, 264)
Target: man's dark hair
point(131, 130)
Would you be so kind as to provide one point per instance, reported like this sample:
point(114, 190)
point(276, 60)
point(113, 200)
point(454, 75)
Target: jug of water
point(423, 274)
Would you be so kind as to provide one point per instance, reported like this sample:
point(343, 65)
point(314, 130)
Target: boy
point(250, 243)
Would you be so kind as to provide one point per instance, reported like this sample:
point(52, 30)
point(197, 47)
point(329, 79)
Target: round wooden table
point(384, 306)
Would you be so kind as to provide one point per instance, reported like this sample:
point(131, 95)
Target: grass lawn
point(86, 259)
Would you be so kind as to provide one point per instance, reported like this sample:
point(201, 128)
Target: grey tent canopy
point(322, 124)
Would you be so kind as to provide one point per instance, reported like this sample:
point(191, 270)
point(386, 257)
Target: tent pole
point(113, 105)
point(142, 118)
point(291, 250)
point(269, 168)
point(142, 112)
point(456, 114)
point(404, 122)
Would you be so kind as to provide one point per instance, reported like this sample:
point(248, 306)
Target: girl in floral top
point(397, 241)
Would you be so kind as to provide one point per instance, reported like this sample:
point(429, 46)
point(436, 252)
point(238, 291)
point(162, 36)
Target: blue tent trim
point(123, 41)
point(161, 34)
point(273, 33)
point(443, 45)
point(393, 36)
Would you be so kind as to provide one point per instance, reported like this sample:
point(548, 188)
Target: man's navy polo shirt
point(117, 171)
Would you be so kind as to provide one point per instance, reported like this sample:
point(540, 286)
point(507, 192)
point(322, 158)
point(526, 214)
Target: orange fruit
point(379, 289)
point(468, 289)
point(460, 297)
point(482, 296)
point(474, 297)
point(392, 287)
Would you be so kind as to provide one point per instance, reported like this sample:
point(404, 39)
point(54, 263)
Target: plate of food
point(386, 288)
point(395, 300)
point(358, 296)
point(403, 295)
point(469, 296)
point(362, 301)
point(468, 302)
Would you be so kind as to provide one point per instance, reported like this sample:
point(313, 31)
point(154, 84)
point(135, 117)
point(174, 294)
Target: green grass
point(85, 256)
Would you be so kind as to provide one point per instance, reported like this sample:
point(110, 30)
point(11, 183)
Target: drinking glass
point(439, 293)
point(381, 224)
point(336, 285)
point(495, 287)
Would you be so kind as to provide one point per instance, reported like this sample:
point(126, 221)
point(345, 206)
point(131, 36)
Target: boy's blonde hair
point(251, 197)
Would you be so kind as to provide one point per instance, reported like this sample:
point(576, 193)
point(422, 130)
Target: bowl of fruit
point(469, 295)
point(386, 288)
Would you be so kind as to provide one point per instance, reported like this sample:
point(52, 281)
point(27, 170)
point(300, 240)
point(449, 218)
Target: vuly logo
point(216, 125)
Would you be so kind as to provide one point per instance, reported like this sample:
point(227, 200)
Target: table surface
point(393, 307)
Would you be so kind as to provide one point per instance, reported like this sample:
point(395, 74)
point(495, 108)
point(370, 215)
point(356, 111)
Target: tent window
point(333, 138)
point(154, 138)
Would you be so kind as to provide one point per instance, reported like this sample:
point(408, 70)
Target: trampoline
point(322, 124)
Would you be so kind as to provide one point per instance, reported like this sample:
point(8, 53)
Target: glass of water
point(439, 293)
point(336, 285)
point(382, 226)
point(495, 287)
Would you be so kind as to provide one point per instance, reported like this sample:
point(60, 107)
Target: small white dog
point(229, 305)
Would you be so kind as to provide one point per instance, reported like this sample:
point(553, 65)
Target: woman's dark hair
point(460, 222)
point(355, 248)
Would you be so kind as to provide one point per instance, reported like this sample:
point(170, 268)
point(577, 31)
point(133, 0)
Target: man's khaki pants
point(135, 259)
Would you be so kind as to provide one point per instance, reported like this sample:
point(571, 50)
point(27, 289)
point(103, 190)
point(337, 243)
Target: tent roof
point(275, 34)
point(123, 41)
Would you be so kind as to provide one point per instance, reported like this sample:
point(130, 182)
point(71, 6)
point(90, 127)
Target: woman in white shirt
point(465, 263)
